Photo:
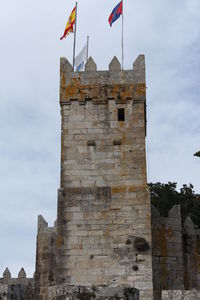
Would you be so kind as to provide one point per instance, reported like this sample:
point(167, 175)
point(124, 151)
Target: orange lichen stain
point(95, 124)
point(128, 93)
point(117, 190)
point(75, 81)
point(138, 188)
point(121, 91)
point(140, 89)
point(59, 241)
point(132, 189)
point(77, 246)
point(106, 233)
point(160, 239)
point(115, 91)
point(62, 85)
point(79, 91)
point(97, 91)
point(123, 139)
point(149, 217)
point(71, 91)
point(63, 80)
point(121, 124)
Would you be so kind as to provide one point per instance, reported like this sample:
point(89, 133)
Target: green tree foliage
point(165, 195)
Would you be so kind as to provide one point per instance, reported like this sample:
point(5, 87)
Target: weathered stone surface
point(103, 199)
point(65, 65)
point(181, 295)
point(114, 65)
point(101, 244)
point(6, 275)
point(90, 65)
point(92, 292)
point(168, 268)
point(20, 288)
point(22, 274)
point(139, 68)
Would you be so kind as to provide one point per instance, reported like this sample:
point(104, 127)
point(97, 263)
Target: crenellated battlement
point(107, 241)
point(43, 227)
point(175, 252)
point(102, 86)
point(16, 288)
point(21, 279)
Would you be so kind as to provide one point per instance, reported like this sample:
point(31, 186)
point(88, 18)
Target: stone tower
point(100, 246)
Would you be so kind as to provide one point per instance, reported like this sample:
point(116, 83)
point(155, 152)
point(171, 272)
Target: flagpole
point(87, 46)
point(122, 35)
point(74, 49)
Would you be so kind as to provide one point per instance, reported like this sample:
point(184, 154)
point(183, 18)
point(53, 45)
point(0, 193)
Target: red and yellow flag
point(70, 24)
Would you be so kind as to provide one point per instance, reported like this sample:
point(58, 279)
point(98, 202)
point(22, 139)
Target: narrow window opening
point(121, 114)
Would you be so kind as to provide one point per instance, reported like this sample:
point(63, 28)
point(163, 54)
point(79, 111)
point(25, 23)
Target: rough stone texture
point(103, 202)
point(114, 65)
point(100, 246)
point(20, 288)
point(191, 249)
point(180, 295)
point(45, 258)
point(89, 293)
point(168, 268)
point(90, 65)
point(176, 253)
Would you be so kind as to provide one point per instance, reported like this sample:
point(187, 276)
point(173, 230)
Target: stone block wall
point(45, 259)
point(21, 288)
point(181, 295)
point(97, 149)
point(97, 240)
point(104, 245)
point(167, 251)
point(103, 233)
point(176, 254)
point(191, 254)
point(104, 205)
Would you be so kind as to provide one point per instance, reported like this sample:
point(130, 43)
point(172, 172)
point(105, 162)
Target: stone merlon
point(101, 86)
point(42, 224)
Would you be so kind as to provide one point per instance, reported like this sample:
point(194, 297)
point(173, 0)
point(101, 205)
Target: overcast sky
point(166, 31)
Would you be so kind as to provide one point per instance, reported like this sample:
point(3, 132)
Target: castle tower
point(101, 245)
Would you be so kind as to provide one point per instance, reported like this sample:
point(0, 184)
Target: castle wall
point(20, 288)
point(98, 150)
point(191, 252)
point(167, 252)
point(176, 256)
point(103, 203)
point(45, 259)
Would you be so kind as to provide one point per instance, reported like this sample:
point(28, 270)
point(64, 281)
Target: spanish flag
point(69, 27)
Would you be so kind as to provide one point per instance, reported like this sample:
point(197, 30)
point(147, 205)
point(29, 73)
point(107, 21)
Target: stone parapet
point(167, 251)
point(20, 288)
point(102, 86)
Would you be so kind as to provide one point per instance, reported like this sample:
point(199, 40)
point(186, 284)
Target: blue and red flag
point(116, 13)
